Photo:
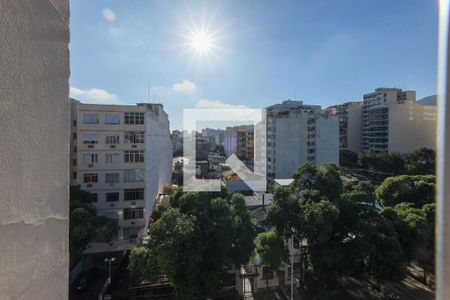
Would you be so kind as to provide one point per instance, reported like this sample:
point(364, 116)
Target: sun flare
point(201, 42)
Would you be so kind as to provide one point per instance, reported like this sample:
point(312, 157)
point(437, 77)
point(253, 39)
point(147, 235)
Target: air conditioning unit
point(91, 146)
point(133, 203)
point(89, 185)
point(111, 205)
point(112, 146)
point(111, 184)
point(132, 223)
point(90, 165)
point(133, 146)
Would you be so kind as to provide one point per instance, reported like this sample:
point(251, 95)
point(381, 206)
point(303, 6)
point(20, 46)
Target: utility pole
point(109, 261)
point(292, 267)
point(293, 236)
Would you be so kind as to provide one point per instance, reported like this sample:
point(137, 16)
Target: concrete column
point(34, 149)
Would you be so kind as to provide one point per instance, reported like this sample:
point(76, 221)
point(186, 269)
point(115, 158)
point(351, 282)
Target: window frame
point(134, 156)
point(114, 175)
point(115, 119)
point(90, 176)
point(108, 194)
point(86, 119)
point(135, 194)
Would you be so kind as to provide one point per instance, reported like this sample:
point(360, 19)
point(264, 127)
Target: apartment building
point(177, 142)
point(239, 140)
point(299, 134)
point(393, 121)
point(245, 142)
point(349, 116)
point(122, 155)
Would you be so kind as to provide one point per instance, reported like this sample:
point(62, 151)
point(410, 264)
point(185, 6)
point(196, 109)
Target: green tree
point(272, 250)
point(392, 163)
point(194, 240)
point(85, 225)
point(421, 162)
point(324, 178)
point(386, 261)
point(348, 159)
point(345, 233)
point(313, 209)
point(420, 223)
point(418, 190)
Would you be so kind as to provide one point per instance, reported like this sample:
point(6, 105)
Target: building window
point(134, 118)
point(74, 135)
point(92, 197)
point(133, 213)
point(74, 123)
point(74, 175)
point(112, 140)
point(111, 177)
point(111, 214)
point(134, 137)
point(133, 176)
point(90, 177)
point(134, 156)
point(90, 138)
point(90, 158)
point(74, 162)
point(112, 119)
point(134, 194)
point(112, 197)
point(75, 149)
point(90, 118)
point(112, 158)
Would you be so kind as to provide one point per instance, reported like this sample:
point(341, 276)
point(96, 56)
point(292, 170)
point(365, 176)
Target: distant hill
point(430, 100)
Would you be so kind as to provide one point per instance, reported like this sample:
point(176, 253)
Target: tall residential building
point(349, 115)
point(177, 142)
point(299, 134)
point(240, 140)
point(214, 135)
point(124, 158)
point(393, 121)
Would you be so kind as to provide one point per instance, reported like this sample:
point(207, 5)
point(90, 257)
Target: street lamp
point(109, 261)
point(292, 262)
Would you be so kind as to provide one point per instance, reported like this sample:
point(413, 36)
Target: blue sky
point(319, 51)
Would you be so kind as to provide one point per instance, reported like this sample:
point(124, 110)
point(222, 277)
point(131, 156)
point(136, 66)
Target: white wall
point(158, 157)
point(411, 126)
point(354, 125)
point(34, 149)
point(327, 140)
point(291, 145)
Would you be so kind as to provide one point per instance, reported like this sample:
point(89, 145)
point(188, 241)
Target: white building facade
point(299, 134)
point(350, 125)
point(123, 158)
point(393, 121)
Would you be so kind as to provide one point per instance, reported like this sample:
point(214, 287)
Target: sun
point(201, 42)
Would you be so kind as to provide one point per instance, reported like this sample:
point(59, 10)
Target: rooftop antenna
point(148, 91)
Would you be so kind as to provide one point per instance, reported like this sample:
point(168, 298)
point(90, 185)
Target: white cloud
point(109, 15)
point(204, 103)
point(185, 87)
point(93, 95)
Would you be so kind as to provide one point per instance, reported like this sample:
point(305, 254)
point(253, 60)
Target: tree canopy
point(85, 225)
point(419, 162)
point(418, 190)
point(345, 230)
point(194, 239)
